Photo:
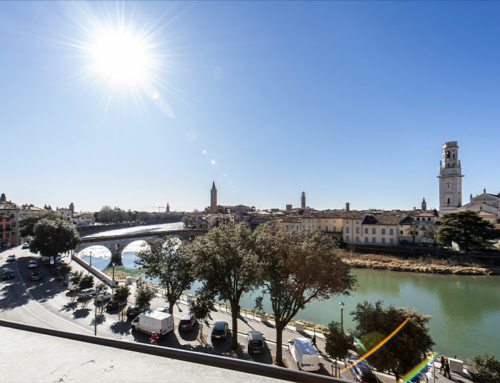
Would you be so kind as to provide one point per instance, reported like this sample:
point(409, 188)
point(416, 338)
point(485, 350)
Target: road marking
point(43, 308)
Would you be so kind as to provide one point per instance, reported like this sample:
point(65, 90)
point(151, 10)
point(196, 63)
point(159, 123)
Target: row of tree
point(118, 215)
point(293, 268)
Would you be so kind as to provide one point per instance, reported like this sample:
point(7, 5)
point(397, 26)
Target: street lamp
point(91, 258)
point(113, 282)
point(342, 315)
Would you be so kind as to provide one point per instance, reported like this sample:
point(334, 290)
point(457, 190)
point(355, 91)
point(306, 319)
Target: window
point(326, 229)
point(357, 230)
point(303, 227)
point(319, 227)
point(366, 239)
point(347, 238)
point(346, 221)
point(374, 231)
point(357, 222)
point(374, 240)
point(401, 232)
point(391, 241)
point(357, 239)
point(383, 231)
point(448, 154)
point(347, 229)
point(287, 227)
point(335, 229)
point(383, 241)
point(366, 230)
point(391, 231)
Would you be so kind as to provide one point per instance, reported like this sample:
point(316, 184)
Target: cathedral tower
point(213, 199)
point(450, 179)
point(303, 200)
point(424, 205)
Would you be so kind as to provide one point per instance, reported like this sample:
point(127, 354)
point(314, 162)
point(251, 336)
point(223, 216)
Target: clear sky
point(140, 104)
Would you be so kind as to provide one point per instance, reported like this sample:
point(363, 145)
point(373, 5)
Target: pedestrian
point(314, 340)
point(154, 338)
point(161, 332)
point(447, 369)
point(441, 369)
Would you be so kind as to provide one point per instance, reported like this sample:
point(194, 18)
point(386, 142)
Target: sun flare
point(121, 57)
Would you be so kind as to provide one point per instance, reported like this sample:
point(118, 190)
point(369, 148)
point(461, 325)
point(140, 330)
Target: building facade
point(10, 211)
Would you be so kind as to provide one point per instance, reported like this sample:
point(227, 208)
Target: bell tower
point(303, 200)
point(213, 199)
point(450, 179)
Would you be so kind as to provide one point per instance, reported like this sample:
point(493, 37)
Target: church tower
point(450, 179)
point(213, 199)
point(424, 205)
point(168, 208)
point(303, 200)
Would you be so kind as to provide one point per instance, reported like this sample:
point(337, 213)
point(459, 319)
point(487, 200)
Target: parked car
point(187, 322)
point(114, 305)
point(361, 371)
point(26, 245)
point(65, 282)
point(11, 258)
point(54, 271)
point(304, 353)
point(8, 274)
point(255, 341)
point(162, 309)
point(32, 264)
point(35, 276)
point(152, 321)
point(220, 330)
point(87, 293)
point(134, 310)
point(103, 296)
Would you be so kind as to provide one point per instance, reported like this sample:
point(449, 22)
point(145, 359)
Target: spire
point(213, 186)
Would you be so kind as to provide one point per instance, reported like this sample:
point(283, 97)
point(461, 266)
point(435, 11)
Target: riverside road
point(47, 303)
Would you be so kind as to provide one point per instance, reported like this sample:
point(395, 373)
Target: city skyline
point(349, 102)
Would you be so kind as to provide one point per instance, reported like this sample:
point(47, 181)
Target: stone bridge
point(117, 243)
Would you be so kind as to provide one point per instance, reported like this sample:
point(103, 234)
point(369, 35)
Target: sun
point(121, 57)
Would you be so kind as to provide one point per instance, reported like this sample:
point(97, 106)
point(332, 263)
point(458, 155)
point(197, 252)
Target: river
point(465, 310)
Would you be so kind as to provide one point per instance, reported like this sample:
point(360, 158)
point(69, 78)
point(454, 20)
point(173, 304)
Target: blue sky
point(348, 101)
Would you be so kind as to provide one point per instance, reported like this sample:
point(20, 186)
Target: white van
point(304, 354)
point(152, 321)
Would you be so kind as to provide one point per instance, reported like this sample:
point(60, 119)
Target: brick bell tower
point(450, 179)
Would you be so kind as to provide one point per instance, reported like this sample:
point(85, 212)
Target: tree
point(430, 231)
point(484, 368)
point(202, 306)
point(3, 198)
point(121, 295)
point(225, 263)
point(64, 270)
point(338, 343)
point(164, 259)
point(27, 224)
point(468, 230)
point(406, 349)
point(51, 237)
point(87, 282)
point(298, 267)
point(143, 296)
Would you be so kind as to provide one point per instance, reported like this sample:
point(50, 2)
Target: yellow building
point(376, 229)
point(10, 209)
point(290, 223)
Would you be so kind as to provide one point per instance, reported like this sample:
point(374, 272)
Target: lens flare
point(378, 346)
point(419, 368)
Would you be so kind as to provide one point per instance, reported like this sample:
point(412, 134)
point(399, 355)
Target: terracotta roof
point(291, 220)
point(380, 219)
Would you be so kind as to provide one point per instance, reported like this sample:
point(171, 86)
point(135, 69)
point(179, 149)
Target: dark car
point(220, 330)
point(35, 276)
point(134, 310)
point(114, 305)
point(8, 274)
point(361, 371)
point(255, 342)
point(187, 322)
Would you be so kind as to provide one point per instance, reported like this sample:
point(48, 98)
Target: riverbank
point(423, 264)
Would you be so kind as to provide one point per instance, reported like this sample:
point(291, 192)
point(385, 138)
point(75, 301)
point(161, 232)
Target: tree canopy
point(224, 261)
point(51, 237)
point(484, 368)
point(164, 259)
point(298, 267)
point(338, 343)
point(466, 229)
point(406, 349)
point(27, 224)
point(143, 296)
